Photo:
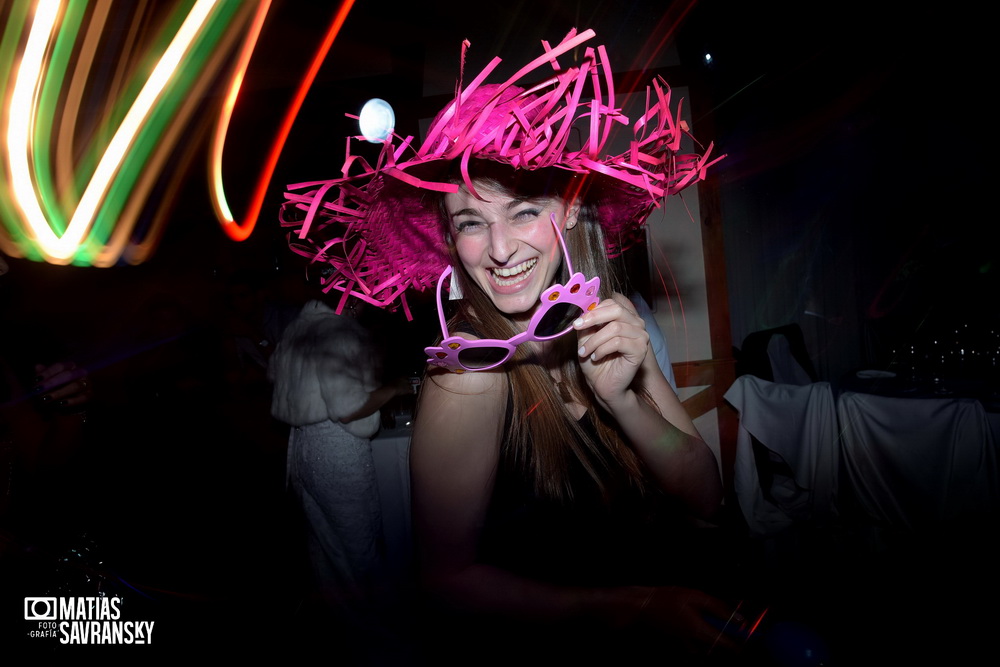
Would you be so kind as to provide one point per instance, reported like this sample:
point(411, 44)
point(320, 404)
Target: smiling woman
point(554, 487)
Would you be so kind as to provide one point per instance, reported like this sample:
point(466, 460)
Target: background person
point(328, 387)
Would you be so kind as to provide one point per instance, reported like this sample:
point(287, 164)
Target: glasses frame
point(577, 291)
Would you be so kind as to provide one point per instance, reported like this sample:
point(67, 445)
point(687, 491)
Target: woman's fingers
point(614, 339)
point(57, 374)
point(611, 328)
point(613, 344)
point(75, 392)
point(63, 383)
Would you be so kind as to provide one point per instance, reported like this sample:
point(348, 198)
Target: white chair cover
point(915, 461)
point(798, 424)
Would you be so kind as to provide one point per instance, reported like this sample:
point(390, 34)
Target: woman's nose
point(502, 244)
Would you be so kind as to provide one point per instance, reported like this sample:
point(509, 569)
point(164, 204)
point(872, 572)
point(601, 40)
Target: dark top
point(628, 538)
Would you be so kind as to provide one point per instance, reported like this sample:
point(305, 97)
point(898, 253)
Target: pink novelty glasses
point(559, 306)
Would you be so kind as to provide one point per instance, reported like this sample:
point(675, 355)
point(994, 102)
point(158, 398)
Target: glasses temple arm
point(562, 243)
point(444, 328)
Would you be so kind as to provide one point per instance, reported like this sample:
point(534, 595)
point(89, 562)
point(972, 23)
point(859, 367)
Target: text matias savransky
point(93, 620)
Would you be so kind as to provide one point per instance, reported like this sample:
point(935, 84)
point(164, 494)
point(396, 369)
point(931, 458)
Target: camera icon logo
point(40, 609)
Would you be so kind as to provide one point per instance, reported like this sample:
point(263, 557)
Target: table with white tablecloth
point(906, 462)
point(918, 461)
point(391, 452)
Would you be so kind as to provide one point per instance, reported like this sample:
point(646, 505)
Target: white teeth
point(516, 271)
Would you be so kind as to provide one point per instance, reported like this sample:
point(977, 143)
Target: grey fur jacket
point(324, 368)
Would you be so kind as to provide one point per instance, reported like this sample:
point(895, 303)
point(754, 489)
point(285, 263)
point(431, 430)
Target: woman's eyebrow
point(513, 203)
point(536, 201)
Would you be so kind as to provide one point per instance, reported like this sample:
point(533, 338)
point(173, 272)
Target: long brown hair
point(540, 435)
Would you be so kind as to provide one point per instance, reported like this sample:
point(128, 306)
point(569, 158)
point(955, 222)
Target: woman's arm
point(676, 455)
point(616, 358)
point(399, 387)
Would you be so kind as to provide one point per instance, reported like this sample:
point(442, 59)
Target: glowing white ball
point(376, 120)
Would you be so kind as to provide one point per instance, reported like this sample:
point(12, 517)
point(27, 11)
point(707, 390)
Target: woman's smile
point(505, 277)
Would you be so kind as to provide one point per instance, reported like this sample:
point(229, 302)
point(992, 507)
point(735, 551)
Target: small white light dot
point(708, 58)
point(376, 120)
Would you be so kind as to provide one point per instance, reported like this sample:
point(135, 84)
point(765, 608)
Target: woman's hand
point(693, 618)
point(613, 346)
point(63, 385)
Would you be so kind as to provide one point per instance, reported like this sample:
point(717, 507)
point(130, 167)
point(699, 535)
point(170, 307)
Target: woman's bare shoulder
point(457, 398)
point(459, 409)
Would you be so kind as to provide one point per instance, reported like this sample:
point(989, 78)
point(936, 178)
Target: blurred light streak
point(60, 248)
point(18, 135)
point(14, 20)
point(44, 119)
point(73, 103)
point(98, 102)
point(46, 217)
point(175, 139)
point(219, 202)
point(232, 228)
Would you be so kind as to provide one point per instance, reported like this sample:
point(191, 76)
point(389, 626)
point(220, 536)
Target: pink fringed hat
point(379, 227)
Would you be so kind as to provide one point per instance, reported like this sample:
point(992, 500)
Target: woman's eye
point(527, 214)
point(466, 226)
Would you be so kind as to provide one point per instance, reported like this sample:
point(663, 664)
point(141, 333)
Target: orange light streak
point(239, 232)
point(66, 137)
point(219, 202)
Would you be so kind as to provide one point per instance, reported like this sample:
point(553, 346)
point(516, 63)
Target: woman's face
point(508, 245)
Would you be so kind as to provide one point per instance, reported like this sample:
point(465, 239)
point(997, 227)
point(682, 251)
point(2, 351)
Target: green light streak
point(10, 214)
point(162, 115)
point(48, 106)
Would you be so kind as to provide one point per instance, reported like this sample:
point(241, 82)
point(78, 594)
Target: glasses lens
point(557, 319)
point(481, 357)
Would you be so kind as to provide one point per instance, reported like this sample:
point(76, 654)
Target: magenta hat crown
point(381, 232)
